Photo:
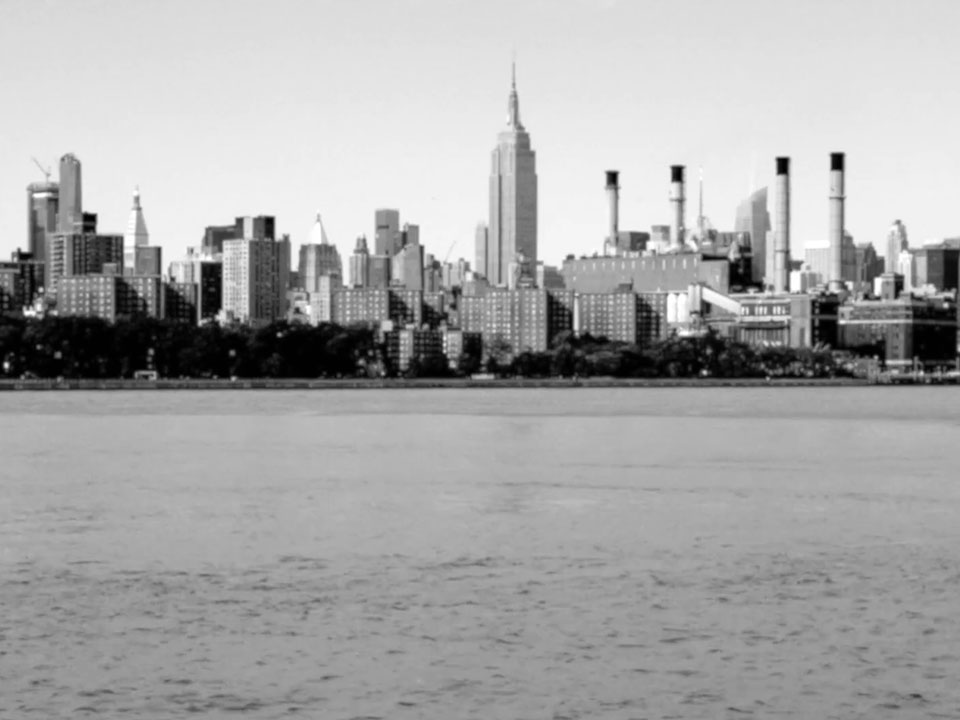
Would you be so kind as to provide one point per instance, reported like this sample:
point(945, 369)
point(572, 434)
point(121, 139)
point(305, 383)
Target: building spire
point(513, 106)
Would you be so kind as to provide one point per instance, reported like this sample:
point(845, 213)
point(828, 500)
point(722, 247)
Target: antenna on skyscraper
point(700, 216)
point(46, 171)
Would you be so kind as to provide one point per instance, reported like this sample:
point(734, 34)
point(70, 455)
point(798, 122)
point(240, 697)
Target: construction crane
point(47, 172)
point(452, 246)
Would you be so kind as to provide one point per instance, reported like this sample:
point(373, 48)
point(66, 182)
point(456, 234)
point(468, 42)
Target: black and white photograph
point(479, 359)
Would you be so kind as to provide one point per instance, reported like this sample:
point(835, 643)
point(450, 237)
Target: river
point(551, 554)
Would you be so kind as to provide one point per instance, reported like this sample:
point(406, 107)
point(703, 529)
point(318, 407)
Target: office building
point(261, 227)
point(21, 280)
point(318, 258)
point(81, 254)
point(379, 271)
point(70, 212)
point(481, 249)
point(896, 244)
point(754, 218)
point(43, 202)
point(387, 237)
point(180, 302)
point(406, 267)
point(360, 264)
point(135, 237)
point(870, 266)
point(820, 259)
point(147, 260)
point(214, 237)
point(513, 196)
point(255, 277)
point(936, 265)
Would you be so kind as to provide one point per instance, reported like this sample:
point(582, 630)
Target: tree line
point(82, 347)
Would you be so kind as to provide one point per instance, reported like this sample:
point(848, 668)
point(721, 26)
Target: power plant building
point(902, 330)
point(656, 273)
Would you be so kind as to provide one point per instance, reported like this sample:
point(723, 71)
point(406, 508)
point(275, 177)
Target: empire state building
point(513, 196)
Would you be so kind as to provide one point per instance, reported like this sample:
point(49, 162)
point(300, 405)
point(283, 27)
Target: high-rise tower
point(318, 258)
point(896, 244)
point(135, 236)
point(754, 218)
point(70, 213)
point(513, 196)
point(42, 203)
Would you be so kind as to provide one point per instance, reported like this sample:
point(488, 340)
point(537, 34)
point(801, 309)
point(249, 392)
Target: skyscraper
point(753, 217)
point(255, 280)
point(70, 211)
point(318, 258)
point(387, 239)
point(513, 196)
point(481, 245)
point(896, 243)
point(42, 204)
point(135, 236)
point(360, 264)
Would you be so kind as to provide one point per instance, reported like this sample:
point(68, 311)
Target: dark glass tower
point(42, 203)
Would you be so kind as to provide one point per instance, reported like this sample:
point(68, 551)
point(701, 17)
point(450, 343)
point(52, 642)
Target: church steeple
point(513, 107)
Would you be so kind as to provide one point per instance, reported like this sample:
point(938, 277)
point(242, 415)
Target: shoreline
point(416, 383)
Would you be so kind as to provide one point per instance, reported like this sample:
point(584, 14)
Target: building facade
point(81, 254)
point(43, 201)
point(111, 297)
point(754, 218)
point(317, 259)
point(512, 229)
point(387, 238)
point(255, 280)
point(70, 213)
point(135, 237)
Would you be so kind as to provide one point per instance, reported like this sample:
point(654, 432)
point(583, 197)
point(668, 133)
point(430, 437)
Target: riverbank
point(420, 383)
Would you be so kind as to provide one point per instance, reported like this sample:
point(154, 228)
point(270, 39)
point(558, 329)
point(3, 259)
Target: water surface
point(459, 553)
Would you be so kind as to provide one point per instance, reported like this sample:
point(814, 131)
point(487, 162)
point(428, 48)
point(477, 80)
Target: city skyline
point(597, 98)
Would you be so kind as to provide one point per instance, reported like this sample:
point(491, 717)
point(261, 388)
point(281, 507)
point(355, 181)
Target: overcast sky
point(221, 108)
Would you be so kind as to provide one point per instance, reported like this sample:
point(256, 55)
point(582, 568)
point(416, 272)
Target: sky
point(223, 108)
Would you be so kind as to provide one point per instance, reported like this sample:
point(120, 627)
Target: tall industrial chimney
point(678, 198)
point(836, 222)
point(781, 240)
point(613, 200)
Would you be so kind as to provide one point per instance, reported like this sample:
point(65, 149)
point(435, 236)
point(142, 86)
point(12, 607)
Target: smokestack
point(836, 222)
point(677, 197)
point(781, 240)
point(613, 200)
